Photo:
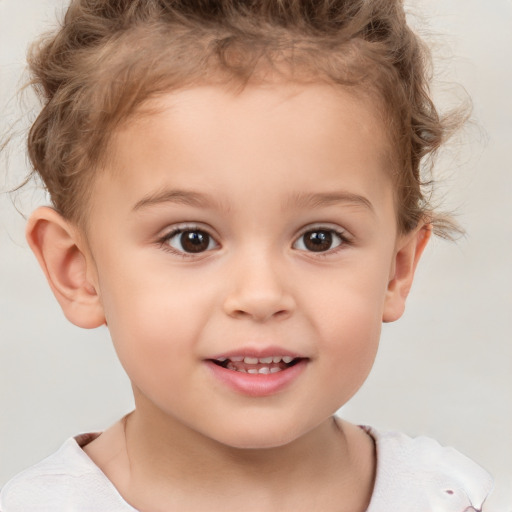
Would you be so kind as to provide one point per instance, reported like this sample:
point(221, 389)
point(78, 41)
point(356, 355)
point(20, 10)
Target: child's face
point(252, 225)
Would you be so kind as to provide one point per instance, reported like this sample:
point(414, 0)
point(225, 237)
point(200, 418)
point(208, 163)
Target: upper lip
point(259, 353)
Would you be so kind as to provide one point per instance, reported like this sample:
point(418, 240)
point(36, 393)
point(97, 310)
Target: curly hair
point(109, 56)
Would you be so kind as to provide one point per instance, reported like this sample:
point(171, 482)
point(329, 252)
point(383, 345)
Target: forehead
point(277, 136)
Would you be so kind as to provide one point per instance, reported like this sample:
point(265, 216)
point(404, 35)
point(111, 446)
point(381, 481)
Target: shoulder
point(66, 481)
point(419, 474)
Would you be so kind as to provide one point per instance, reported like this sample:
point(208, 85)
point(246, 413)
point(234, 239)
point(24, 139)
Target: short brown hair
point(109, 56)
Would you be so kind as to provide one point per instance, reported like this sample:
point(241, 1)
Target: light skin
point(286, 190)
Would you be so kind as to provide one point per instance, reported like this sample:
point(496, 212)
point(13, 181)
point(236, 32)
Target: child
point(237, 195)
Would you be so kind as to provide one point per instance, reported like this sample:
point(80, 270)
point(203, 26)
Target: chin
point(260, 438)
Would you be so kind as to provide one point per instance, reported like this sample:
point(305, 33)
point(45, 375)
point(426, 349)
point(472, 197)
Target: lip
point(257, 385)
point(260, 353)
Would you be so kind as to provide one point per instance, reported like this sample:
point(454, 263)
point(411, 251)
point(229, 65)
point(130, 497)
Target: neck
point(169, 463)
point(174, 446)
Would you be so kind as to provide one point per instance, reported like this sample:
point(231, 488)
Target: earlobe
point(406, 259)
point(56, 245)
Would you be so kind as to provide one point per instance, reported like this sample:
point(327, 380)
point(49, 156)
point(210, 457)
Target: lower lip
point(258, 384)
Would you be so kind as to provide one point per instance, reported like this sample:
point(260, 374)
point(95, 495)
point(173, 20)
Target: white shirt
point(412, 475)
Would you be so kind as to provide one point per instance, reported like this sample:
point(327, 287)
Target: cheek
point(348, 356)
point(347, 317)
point(351, 338)
point(350, 299)
point(154, 325)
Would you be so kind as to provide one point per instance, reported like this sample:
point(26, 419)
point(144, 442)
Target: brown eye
point(194, 241)
point(319, 240)
point(191, 241)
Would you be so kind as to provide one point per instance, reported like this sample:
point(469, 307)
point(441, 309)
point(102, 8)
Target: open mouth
point(255, 365)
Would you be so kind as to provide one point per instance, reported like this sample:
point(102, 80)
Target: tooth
point(264, 369)
point(252, 370)
point(250, 360)
point(237, 359)
point(242, 370)
point(287, 359)
point(265, 360)
point(276, 359)
point(275, 369)
point(221, 359)
point(231, 366)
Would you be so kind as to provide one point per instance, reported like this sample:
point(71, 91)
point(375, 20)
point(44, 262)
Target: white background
point(444, 370)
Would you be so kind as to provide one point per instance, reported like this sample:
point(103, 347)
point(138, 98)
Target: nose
point(258, 290)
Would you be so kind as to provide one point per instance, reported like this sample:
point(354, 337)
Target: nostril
point(259, 299)
point(260, 313)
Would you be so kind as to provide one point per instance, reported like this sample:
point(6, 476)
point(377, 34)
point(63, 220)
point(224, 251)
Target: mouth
point(258, 374)
point(257, 365)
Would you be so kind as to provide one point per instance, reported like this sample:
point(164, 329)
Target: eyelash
point(344, 240)
point(165, 245)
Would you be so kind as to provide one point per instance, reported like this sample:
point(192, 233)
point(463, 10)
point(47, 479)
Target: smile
point(255, 365)
point(258, 374)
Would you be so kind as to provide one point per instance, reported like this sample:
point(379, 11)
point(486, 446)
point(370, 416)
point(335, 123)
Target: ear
point(57, 246)
point(407, 254)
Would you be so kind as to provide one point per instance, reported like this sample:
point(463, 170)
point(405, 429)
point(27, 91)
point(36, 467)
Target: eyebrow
point(186, 197)
point(319, 200)
point(300, 200)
